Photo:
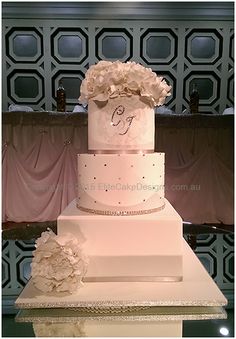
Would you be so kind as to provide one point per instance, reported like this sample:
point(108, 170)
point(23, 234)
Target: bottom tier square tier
point(128, 248)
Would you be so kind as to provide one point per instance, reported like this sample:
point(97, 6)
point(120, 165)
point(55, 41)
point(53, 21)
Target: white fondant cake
point(121, 124)
point(121, 98)
point(128, 230)
point(128, 248)
point(121, 182)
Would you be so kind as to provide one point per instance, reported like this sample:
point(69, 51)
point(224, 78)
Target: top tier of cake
point(121, 98)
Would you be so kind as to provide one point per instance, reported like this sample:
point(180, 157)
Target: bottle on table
point(194, 100)
point(61, 98)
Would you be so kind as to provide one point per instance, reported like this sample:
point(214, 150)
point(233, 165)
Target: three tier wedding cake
point(121, 227)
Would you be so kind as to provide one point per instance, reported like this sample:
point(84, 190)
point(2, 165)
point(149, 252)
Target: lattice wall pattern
point(216, 252)
point(37, 54)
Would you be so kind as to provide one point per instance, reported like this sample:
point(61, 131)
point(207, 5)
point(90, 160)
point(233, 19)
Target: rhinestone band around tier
point(120, 213)
point(120, 151)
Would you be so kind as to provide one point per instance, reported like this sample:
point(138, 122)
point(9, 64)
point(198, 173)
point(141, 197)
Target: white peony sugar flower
point(107, 80)
point(59, 263)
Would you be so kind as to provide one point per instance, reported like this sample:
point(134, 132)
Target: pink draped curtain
point(39, 170)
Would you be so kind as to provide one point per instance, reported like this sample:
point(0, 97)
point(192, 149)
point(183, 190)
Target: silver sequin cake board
point(150, 314)
point(196, 289)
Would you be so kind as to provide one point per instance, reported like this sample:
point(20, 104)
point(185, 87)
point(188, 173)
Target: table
point(190, 328)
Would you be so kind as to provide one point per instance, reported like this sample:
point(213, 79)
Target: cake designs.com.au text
point(113, 187)
point(139, 187)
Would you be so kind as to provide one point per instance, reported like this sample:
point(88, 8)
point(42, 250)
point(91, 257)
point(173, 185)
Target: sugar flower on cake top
point(107, 80)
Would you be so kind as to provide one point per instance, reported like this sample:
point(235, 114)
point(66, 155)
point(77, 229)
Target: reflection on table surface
point(149, 322)
point(190, 328)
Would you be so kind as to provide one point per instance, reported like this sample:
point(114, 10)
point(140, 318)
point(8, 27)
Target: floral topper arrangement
point(107, 80)
point(58, 263)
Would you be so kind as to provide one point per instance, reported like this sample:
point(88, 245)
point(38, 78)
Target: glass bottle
point(194, 100)
point(61, 98)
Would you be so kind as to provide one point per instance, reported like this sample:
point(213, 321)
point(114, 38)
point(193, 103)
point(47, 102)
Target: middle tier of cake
point(121, 184)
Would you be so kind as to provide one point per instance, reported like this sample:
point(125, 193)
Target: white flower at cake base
point(107, 80)
point(59, 263)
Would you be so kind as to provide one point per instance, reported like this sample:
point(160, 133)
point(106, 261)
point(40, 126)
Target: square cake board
point(196, 289)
